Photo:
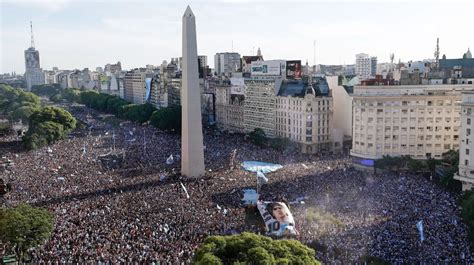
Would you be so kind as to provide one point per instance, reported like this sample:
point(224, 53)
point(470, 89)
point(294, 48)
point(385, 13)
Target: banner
point(278, 218)
point(254, 166)
point(271, 67)
point(293, 69)
point(147, 88)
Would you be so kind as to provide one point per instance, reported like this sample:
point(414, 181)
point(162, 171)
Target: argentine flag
point(419, 226)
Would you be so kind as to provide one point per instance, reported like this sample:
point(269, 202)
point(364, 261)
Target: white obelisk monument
point(192, 149)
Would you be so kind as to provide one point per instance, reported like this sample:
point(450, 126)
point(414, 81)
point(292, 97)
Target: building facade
point(420, 121)
point(33, 73)
point(226, 63)
point(229, 108)
point(259, 105)
point(466, 151)
point(304, 115)
point(134, 86)
point(363, 66)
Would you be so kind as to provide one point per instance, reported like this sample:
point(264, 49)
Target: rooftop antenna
point(392, 57)
point(32, 38)
point(314, 52)
point(436, 53)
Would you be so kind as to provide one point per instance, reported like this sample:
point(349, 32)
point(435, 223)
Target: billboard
point(293, 69)
point(237, 86)
point(273, 67)
point(278, 218)
point(148, 88)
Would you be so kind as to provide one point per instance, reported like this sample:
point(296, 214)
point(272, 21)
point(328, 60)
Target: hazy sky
point(74, 34)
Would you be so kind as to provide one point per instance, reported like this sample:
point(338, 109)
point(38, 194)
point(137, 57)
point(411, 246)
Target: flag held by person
point(261, 178)
point(419, 226)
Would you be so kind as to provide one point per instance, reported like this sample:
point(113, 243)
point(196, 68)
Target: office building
point(227, 63)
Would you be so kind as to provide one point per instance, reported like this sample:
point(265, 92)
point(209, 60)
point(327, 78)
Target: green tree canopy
point(467, 213)
point(23, 113)
point(24, 227)
point(53, 114)
point(258, 137)
point(248, 248)
point(167, 119)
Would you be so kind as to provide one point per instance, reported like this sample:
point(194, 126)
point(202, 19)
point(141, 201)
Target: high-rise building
point(135, 87)
point(227, 63)
point(33, 73)
point(373, 66)
point(230, 105)
point(365, 66)
point(466, 151)
point(259, 105)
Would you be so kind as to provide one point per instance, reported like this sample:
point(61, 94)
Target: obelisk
point(192, 149)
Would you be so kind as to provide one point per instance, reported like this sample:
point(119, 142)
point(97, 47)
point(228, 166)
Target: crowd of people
point(144, 211)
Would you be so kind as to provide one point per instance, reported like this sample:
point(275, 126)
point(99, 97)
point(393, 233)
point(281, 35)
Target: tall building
point(419, 121)
point(466, 151)
point(135, 87)
point(226, 63)
point(373, 66)
point(365, 66)
point(33, 73)
point(259, 105)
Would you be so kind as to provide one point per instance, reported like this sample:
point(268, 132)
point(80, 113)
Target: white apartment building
point(420, 121)
point(363, 66)
point(466, 151)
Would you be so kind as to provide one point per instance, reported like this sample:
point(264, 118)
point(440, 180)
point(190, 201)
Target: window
point(468, 121)
point(468, 131)
point(467, 151)
point(466, 162)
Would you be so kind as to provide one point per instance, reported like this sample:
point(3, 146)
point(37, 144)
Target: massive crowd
point(139, 211)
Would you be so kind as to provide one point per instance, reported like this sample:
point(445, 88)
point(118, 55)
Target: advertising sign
point(293, 69)
point(148, 88)
point(278, 218)
point(273, 67)
point(237, 86)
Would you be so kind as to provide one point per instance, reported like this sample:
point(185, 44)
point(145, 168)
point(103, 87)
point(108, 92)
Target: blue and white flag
point(419, 226)
point(261, 178)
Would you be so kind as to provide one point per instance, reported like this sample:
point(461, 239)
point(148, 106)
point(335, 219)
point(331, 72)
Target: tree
point(258, 137)
point(167, 119)
point(53, 114)
point(24, 227)
point(249, 248)
point(467, 213)
point(23, 113)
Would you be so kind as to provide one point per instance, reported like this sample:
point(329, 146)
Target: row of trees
point(447, 166)
point(17, 104)
point(167, 119)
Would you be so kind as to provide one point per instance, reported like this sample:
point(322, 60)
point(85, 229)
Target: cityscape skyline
point(124, 31)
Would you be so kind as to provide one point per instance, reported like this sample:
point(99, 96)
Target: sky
point(73, 34)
